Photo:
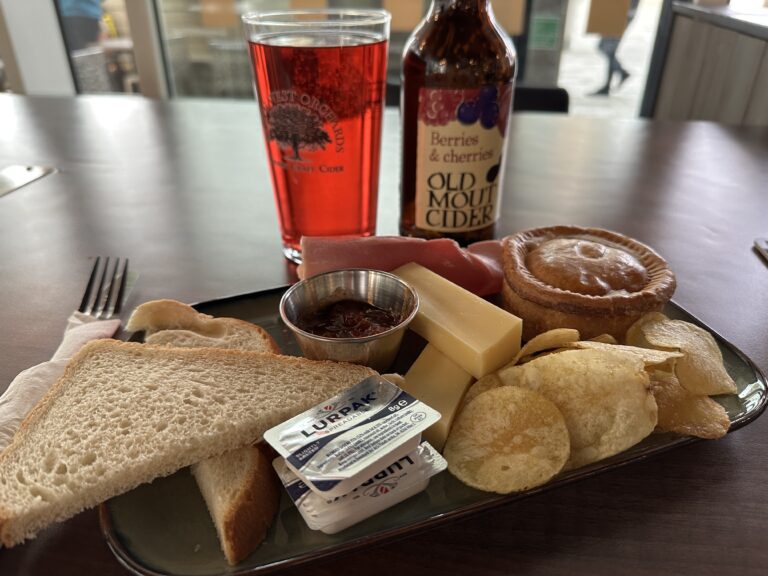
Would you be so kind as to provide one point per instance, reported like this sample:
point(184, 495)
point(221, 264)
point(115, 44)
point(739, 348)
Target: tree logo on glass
point(297, 128)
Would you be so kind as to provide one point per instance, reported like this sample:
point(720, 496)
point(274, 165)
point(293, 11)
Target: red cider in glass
point(321, 93)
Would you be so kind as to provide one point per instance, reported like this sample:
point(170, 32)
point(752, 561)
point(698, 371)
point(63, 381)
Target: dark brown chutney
point(347, 319)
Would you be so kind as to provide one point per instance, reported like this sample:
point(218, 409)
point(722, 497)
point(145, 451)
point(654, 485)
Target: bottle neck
point(468, 6)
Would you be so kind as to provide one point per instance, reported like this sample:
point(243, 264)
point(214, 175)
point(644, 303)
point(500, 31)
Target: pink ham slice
point(477, 268)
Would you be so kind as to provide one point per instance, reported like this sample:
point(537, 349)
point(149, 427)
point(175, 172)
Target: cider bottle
point(458, 79)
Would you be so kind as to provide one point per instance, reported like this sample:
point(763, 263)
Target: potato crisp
point(649, 356)
point(604, 338)
point(683, 413)
point(488, 382)
point(603, 395)
point(548, 340)
point(700, 370)
point(506, 440)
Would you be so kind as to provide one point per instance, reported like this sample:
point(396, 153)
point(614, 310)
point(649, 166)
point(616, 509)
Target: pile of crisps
point(563, 403)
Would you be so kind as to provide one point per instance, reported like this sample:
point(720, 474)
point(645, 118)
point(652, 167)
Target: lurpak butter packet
point(337, 445)
point(401, 479)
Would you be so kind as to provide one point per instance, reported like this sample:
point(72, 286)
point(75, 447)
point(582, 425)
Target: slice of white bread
point(172, 323)
point(125, 413)
point(239, 487)
point(242, 493)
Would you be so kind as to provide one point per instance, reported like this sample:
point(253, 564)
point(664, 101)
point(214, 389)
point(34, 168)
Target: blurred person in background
point(81, 21)
point(608, 46)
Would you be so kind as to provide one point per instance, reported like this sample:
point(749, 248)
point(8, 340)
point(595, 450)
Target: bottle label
point(459, 156)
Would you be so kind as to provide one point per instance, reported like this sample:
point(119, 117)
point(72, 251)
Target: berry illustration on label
point(488, 105)
point(438, 107)
point(468, 112)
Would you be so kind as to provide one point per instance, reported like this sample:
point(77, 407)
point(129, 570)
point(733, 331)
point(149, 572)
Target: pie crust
point(593, 280)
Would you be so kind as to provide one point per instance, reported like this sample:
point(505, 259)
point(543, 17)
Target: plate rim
point(128, 561)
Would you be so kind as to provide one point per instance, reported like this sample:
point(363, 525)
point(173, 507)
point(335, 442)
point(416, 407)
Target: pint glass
point(320, 80)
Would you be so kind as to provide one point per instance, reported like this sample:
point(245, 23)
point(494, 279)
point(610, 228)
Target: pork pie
point(593, 280)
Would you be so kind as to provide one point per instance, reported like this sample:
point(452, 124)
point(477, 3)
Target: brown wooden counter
point(181, 189)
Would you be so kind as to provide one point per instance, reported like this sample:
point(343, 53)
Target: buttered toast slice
point(239, 487)
point(125, 413)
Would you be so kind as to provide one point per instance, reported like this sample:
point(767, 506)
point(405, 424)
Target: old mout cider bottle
point(457, 85)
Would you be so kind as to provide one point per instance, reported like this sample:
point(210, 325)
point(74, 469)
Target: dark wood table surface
point(182, 189)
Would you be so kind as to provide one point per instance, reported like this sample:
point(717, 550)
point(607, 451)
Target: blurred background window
point(205, 48)
point(206, 51)
point(605, 74)
point(99, 44)
point(206, 54)
point(599, 51)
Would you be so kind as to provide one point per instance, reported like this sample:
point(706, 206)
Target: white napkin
point(29, 386)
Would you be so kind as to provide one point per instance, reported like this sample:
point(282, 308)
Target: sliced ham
point(477, 268)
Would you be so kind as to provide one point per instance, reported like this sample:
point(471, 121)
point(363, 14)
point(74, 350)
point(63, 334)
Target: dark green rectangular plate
point(163, 528)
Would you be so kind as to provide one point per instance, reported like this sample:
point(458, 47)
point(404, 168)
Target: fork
point(761, 245)
point(103, 298)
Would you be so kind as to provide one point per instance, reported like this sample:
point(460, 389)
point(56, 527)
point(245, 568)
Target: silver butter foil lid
point(399, 480)
point(339, 443)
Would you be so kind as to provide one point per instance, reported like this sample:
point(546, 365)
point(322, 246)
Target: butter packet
point(337, 445)
point(403, 478)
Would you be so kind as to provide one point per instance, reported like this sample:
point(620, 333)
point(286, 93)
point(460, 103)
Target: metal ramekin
point(381, 289)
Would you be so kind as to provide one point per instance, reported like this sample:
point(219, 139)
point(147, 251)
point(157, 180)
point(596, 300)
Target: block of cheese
point(477, 335)
point(440, 383)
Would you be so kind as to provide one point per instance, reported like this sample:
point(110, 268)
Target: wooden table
point(182, 189)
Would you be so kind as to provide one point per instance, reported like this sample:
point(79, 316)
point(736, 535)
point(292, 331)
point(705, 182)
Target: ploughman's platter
point(693, 384)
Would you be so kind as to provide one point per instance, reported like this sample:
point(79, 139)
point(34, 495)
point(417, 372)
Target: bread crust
point(23, 520)
point(252, 512)
point(239, 335)
point(165, 315)
point(242, 527)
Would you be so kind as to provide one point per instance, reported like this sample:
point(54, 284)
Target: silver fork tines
point(104, 294)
